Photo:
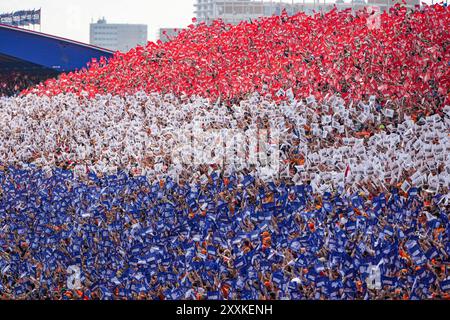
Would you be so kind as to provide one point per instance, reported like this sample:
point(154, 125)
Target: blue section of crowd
point(231, 238)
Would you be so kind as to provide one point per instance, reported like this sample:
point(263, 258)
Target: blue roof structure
point(30, 51)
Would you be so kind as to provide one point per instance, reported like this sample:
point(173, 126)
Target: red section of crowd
point(402, 55)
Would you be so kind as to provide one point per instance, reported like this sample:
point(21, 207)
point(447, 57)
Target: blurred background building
point(118, 37)
point(234, 11)
point(167, 34)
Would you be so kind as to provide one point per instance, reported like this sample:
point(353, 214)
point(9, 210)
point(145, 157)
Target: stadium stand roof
point(31, 51)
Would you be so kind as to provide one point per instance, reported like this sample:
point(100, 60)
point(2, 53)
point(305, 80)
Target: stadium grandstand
point(28, 57)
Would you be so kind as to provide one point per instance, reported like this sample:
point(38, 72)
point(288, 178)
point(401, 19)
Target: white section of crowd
point(144, 134)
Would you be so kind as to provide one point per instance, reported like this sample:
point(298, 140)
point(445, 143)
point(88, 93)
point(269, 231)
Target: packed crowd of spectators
point(402, 55)
point(357, 208)
point(225, 239)
point(293, 157)
point(13, 83)
point(326, 143)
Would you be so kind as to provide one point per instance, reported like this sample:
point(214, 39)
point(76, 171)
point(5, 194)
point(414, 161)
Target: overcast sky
point(71, 18)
